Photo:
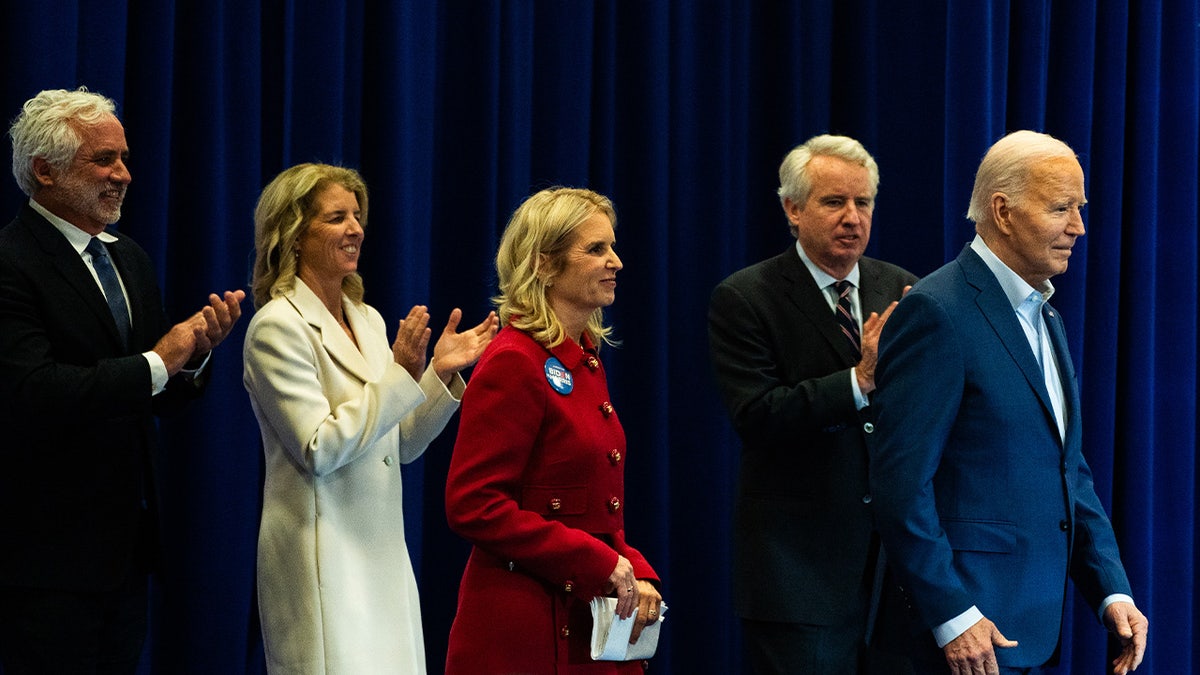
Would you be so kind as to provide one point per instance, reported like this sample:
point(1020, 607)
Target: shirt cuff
point(946, 632)
point(158, 372)
point(860, 399)
point(1115, 597)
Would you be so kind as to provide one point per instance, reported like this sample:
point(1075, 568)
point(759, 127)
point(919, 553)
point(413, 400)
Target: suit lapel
point(798, 284)
point(999, 314)
point(1066, 370)
point(333, 339)
point(66, 262)
point(871, 294)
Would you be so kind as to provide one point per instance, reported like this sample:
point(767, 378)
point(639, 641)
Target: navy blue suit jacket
point(977, 498)
point(77, 412)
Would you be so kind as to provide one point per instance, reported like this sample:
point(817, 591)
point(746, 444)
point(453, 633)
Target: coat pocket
point(985, 536)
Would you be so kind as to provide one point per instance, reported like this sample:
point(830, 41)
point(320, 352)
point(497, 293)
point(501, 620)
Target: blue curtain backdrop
point(680, 111)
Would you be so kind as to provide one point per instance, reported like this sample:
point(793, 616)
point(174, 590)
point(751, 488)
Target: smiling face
point(329, 247)
point(1039, 227)
point(834, 224)
point(88, 192)
point(587, 274)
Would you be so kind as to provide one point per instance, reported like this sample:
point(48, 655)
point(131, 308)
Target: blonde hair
point(531, 255)
point(285, 209)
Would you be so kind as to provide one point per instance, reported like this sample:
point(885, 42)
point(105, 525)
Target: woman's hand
point(455, 351)
point(649, 600)
point(412, 341)
point(626, 586)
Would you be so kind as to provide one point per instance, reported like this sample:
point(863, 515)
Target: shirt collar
point(75, 236)
point(1016, 289)
point(823, 278)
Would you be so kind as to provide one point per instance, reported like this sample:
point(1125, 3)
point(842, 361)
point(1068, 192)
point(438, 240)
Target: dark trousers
point(44, 632)
point(776, 648)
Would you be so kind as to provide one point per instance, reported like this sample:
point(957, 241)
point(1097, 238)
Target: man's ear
point(44, 172)
point(1001, 213)
point(792, 209)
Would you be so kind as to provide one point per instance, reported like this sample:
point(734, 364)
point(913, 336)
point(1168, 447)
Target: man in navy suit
point(981, 492)
point(87, 357)
point(796, 380)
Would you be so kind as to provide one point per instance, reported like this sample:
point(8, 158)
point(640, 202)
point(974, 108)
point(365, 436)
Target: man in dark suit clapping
point(793, 342)
point(87, 357)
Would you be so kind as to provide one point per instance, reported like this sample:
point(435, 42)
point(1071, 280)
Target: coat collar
point(997, 310)
point(65, 258)
point(801, 289)
point(366, 364)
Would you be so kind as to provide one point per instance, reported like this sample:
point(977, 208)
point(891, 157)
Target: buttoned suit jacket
point(537, 485)
point(77, 409)
point(978, 499)
point(801, 525)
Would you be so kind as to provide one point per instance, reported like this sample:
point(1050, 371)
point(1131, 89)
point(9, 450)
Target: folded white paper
point(610, 633)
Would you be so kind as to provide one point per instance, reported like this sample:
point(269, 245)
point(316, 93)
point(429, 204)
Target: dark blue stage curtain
point(456, 110)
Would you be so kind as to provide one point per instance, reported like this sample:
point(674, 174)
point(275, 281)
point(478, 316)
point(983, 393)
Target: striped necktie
point(845, 315)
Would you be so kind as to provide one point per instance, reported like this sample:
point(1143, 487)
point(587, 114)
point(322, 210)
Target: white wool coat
point(335, 585)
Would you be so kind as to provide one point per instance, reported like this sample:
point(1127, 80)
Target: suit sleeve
point(762, 403)
point(498, 432)
point(281, 375)
point(920, 378)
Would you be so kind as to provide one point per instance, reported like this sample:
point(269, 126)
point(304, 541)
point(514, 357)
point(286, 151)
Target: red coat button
point(568, 587)
point(614, 505)
point(606, 408)
point(614, 456)
point(592, 362)
point(555, 504)
point(565, 632)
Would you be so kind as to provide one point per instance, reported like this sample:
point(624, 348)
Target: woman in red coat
point(537, 477)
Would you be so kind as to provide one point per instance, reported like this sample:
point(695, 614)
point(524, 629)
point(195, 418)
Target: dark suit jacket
point(977, 498)
point(76, 409)
point(801, 525)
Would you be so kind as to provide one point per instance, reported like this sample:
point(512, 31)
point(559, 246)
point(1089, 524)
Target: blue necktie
point(112, 287)
point(845, 315)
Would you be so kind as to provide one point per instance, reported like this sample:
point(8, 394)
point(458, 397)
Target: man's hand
point(1131, 628)
point(872, 327)
point(973, 652)
point(177, 346)
point(219, 317)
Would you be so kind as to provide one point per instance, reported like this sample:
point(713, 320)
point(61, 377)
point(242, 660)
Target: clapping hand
point(455, 351)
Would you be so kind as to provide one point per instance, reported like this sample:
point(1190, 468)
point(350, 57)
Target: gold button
point(606, 408)
point(614, 456)
point(568, 587)
point(565, 632)
point(592, 362)
point(555, 504)
point(614, 505)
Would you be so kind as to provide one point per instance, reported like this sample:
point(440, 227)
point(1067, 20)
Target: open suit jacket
point(801, 524)
point(977, 498)
point(76, 409)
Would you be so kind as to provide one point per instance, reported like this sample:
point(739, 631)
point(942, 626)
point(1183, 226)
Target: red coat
point(536, 483)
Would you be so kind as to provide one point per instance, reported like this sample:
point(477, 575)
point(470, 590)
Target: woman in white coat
point(339, 412)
